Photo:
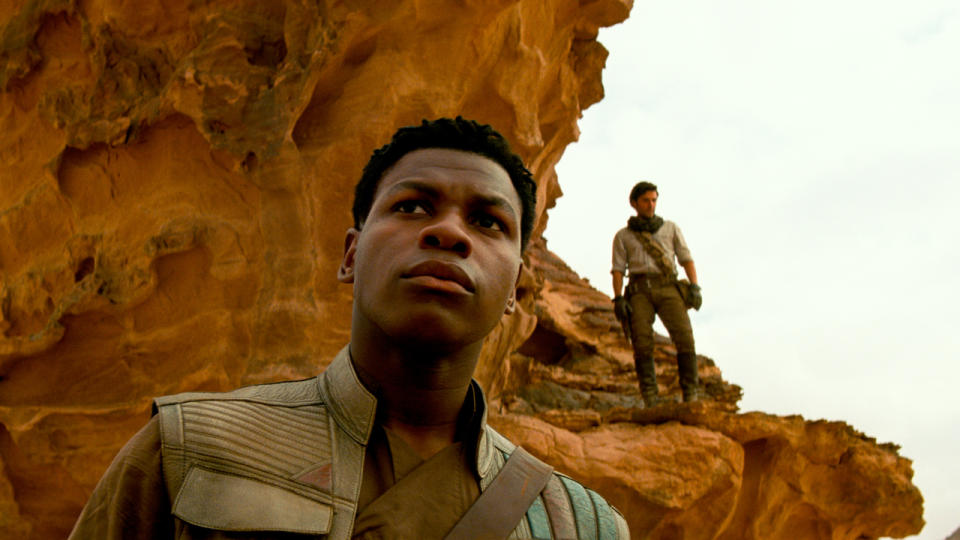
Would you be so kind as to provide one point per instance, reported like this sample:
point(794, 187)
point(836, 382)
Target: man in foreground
point(646, 248)
point(391, 440)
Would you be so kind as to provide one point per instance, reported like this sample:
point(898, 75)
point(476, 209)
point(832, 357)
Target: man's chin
point(436, 334)
point(432, 344)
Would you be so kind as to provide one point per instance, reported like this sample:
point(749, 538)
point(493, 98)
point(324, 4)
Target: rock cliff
point(174, 187)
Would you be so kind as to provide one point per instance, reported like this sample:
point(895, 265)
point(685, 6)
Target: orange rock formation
point(174, 187)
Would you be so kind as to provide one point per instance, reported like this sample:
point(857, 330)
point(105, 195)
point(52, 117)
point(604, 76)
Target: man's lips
point(442, 271)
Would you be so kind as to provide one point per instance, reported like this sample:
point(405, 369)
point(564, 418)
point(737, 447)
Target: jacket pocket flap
point(226, 502)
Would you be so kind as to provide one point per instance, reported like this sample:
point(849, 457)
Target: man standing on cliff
point(391, 440)
point(645, 250)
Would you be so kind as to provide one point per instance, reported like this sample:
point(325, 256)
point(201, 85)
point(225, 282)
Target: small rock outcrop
point(175, 180)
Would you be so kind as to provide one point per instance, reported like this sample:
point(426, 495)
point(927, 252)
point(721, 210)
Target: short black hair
point(456, 134)
point(641, 188)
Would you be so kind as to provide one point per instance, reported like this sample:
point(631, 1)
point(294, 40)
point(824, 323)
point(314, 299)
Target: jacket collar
point(485, 449)
point(354, 409)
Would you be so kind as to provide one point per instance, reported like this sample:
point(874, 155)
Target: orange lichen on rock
point(175, 182)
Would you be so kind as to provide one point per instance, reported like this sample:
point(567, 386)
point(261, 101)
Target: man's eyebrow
point(495, 201)
point(480, 200)
point(415, 185)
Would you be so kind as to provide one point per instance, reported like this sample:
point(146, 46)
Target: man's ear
point(345, 272)
point(512, 299)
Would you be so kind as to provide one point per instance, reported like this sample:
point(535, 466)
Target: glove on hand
point(696, 297)
point(622, 309)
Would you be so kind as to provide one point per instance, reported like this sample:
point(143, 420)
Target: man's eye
point(488, 222)
point(410, 207)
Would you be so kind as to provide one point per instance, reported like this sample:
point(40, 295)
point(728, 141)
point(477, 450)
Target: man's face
point(645, 204)
point(437, 259)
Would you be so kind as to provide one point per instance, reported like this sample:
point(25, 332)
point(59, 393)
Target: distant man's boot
point(647, 375)
point(689, 376)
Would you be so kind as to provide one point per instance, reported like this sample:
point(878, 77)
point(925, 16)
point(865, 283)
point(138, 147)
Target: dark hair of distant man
point(641, 188)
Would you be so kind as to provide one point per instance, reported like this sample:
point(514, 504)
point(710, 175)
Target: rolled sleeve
point(619, 255)
point(680, 247)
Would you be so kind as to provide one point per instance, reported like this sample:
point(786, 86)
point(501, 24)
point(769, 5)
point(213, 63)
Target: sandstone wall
point(174, 187)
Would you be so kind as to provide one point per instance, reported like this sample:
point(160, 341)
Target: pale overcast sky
point(810, 152)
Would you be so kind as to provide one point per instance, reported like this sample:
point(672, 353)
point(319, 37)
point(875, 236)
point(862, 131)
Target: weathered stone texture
point(175, 180)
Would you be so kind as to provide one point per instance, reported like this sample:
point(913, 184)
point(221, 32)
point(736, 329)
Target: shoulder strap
point(657, 252)
point(497, 511)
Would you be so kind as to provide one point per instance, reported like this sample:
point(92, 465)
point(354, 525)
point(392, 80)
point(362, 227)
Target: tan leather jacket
point(288, 457)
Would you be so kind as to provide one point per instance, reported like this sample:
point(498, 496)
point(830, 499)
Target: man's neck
point(419, 393)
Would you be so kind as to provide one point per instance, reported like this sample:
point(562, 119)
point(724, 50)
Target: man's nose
point(447, 231)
